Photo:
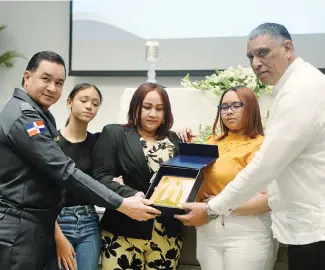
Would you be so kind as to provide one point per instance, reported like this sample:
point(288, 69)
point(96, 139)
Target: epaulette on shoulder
point(25, 106)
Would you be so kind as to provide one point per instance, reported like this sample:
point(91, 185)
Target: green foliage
point(204, 133)
point(6, 59)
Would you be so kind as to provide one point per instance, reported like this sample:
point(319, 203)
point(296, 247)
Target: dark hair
point(252, 116)
point(274, 30)
point(134, 114)
point(37, 58)
point(79, 87)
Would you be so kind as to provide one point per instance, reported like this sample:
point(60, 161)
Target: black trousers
point(307, 257)
point(24, 244)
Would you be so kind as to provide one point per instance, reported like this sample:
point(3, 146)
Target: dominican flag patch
point(35, 128)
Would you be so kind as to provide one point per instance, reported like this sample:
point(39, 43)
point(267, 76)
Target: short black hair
point(37, 58)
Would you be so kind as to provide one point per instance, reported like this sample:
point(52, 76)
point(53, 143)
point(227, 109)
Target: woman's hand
point(65, 253)
point(185, 134)
point(119, 180)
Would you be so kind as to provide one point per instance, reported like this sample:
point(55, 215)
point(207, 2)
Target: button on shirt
point(293, 153)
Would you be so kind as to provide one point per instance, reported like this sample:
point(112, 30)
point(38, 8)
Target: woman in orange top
point(242, 240)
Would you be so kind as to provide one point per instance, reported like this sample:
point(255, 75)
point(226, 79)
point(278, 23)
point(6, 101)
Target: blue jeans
point(80, 225)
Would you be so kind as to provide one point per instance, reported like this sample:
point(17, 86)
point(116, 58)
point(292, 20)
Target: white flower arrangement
point(222, 80)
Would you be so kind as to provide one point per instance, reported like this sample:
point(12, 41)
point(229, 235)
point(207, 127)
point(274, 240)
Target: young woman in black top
point(77, 233)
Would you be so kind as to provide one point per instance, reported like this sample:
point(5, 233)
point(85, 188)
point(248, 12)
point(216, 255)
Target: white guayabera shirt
point(293, 153)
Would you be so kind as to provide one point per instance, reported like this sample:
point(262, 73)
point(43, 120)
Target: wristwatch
point(211, 214)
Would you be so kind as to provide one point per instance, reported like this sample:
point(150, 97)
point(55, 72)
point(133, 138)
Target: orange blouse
point(235, 152)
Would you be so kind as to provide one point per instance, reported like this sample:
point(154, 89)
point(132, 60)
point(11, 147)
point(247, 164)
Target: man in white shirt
point(293, 152)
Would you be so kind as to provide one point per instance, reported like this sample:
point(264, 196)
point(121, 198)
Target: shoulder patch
point(35, 128)
point(25, 106)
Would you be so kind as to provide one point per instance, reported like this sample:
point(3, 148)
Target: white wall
point(44, 25)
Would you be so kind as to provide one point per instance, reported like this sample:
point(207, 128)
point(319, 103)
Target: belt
point(12, 210)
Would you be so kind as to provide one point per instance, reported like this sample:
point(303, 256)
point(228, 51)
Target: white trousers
point(243, 243)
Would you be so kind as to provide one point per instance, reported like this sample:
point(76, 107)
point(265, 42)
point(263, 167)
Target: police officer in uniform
point(34, 171)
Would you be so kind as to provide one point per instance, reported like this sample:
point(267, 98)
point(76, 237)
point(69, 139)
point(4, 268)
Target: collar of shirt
point(292, 67)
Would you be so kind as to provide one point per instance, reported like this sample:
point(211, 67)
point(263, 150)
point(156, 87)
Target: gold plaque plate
point(172, 190)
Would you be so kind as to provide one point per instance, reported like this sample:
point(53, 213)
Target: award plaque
point(172, 190)
point(179, 179)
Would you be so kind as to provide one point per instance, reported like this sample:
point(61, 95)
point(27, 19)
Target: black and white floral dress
point(162, 251)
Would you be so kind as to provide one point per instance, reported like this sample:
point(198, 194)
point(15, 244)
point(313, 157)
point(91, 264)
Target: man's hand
point(185, 134)
point(140, 194)
point(138, 208)
point(197, 215)
point(65, 253)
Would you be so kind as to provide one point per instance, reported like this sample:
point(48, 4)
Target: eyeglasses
point(235, 107)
